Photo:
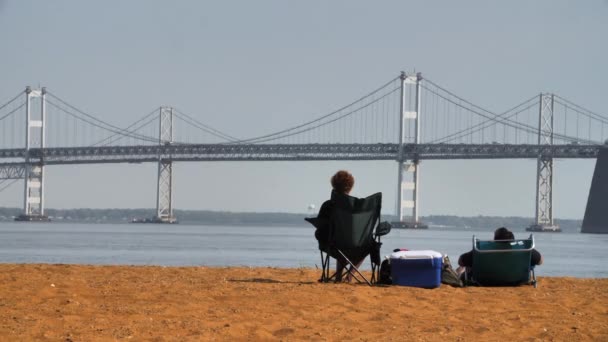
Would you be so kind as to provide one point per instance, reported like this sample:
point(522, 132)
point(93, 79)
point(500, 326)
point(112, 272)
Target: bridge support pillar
point(544, 169)
point(407, 197)
point(164, 189)
point(33, 198)
point(409, 172)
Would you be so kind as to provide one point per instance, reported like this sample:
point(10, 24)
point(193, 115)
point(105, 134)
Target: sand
point(89, 303)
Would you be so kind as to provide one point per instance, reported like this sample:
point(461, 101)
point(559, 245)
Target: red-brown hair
point(342, 181)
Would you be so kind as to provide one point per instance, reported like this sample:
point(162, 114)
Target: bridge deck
point(269, 152)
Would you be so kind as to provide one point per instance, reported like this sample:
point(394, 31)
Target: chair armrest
point(383, 228)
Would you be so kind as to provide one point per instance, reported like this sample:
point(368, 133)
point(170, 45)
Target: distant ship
point(409, 225)
point(32, 218)
point(171, 220)
point(543, 228)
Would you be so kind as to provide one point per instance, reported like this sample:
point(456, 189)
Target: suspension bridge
point(408, 119)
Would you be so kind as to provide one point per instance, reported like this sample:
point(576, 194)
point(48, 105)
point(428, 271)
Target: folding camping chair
point(501, 263)
point(354, 232)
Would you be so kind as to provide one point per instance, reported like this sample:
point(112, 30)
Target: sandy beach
point(88, 303)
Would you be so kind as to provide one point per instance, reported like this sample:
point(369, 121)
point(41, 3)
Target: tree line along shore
point(208, 217)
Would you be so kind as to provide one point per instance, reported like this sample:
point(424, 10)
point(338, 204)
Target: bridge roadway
point(290, 152)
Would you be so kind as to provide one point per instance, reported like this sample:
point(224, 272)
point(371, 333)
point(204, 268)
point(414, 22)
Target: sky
point(250, 68)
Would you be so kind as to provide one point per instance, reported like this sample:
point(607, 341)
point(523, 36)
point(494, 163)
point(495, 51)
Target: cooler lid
point(421, 254)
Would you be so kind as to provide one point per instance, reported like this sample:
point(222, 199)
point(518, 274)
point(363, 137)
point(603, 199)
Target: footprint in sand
point(283, 332)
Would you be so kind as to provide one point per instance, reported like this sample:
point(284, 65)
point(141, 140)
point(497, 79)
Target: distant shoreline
point(224, 218)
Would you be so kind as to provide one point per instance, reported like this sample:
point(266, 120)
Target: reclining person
point(466, 260)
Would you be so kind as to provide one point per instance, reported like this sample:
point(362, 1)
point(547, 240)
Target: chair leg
point(373, 278)
point(355, 273)
point(325, 268)
point(374, 258)
point(337, 276)
point(350, 271)
point(352, 266)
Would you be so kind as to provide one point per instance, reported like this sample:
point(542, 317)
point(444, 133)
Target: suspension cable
point(458, 97)
point(113, 128)
point(9, 184)
point(127, 128)
point(497, 118)
point(11, 100)
point(117, 137)
point(581, 110)
point(12, 111)
point(494, 117)
point(564, 137)
point(117, 130)
point(324, 123)
point(265, 137)
point(197, 124)
point(485, 124)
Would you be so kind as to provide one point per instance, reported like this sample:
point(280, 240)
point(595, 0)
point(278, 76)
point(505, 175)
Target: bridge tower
point(164, 189)
point(544, 169)
point(33, 199)
point(408, 171)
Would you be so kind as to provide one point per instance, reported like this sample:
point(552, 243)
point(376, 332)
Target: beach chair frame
point(501, 263)
point(350, 269)
point(339, 249)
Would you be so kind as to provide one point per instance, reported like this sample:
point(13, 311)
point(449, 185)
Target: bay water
point(565, 254)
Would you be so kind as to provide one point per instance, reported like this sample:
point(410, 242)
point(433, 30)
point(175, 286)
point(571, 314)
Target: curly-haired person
point(341, 182)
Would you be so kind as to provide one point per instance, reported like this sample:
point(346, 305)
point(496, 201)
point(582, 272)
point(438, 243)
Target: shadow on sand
point(268, 281)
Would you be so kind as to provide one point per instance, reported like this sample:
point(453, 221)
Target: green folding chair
point(501, 263)
point(354, 233)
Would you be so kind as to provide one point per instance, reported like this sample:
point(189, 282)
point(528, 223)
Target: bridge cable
point(530, 129)
point(197, 124)
point(274, 137)
point(127, 129)
point(265, 137)
point(505, 121)
point(581, 110)
point(11, 100)
point(496, 118)
point(135, 136)
point(12, 111)
point(474, 105)
point(123, 132)
point(469, 131)
point(7, 185)
point(118, 136)
point(116, 130)
point(113, 128)
point(525, 127)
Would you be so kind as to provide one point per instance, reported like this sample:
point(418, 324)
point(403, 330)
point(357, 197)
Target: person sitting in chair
point(466, 260)
point(341, 182)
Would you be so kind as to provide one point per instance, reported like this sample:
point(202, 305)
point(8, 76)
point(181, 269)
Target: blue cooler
point(416, 268)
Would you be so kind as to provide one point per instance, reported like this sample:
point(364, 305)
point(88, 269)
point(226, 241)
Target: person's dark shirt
point(466, 259)
point(322, 232)
point(326, 209)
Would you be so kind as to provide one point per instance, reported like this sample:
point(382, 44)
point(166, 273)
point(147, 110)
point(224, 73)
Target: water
point(565, 254)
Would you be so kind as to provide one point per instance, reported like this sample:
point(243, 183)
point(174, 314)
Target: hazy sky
point(253, 67)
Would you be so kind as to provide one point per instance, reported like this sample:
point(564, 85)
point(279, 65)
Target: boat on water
point(171, 220)
point(32, 218)
point(409, 225)
point(544, 228)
